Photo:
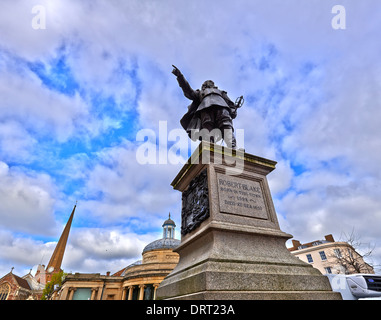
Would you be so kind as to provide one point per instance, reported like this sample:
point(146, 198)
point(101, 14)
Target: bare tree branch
point(350, 258)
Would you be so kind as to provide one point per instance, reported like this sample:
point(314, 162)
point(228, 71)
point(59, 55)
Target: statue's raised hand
point(176, 71)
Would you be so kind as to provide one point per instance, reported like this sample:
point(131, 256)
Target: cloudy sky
point(80, 80)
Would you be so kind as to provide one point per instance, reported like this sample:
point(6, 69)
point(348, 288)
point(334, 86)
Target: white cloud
point(325, 207)
point(122, 188)
point(280, 180)
point(100, 250)
point(22, 253)
point(28, 101)
point(15, 142)
point(26, 200)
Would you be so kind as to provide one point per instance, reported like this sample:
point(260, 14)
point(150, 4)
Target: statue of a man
point(211, 109)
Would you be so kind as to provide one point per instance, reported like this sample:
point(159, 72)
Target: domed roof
point(169, 221)
point(165, 243)
point(136, 263)
point(168, 241)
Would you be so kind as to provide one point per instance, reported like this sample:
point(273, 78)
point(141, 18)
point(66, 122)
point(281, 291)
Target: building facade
point(30, 287)
point(329, 256)
point(13, 287)
point(137, 281)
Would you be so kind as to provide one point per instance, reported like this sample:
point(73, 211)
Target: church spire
point(54, 265)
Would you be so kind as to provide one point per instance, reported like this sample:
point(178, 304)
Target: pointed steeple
point(54, 264)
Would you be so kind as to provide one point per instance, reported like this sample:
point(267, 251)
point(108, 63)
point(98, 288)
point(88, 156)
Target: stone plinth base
point(232, 246)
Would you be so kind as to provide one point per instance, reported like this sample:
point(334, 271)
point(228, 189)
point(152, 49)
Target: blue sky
point(75, 94)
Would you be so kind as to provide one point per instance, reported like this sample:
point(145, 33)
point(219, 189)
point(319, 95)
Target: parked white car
point(356, 286)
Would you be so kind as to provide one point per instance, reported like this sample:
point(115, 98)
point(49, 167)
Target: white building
point(331, 257)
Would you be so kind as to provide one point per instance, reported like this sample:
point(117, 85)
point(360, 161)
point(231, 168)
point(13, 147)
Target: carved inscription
point(241, 196)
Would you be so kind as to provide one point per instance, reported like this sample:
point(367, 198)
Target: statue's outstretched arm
point(184, 85)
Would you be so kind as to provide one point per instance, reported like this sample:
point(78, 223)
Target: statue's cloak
point(192, 119)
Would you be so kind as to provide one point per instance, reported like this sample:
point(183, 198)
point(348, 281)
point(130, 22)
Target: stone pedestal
point(231, 245)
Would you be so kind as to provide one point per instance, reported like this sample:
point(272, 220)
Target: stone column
point(94, 292)
point(71, 293)
point(131, 289)
point(64, 294)
point(124, 293)
point(141, 292)
point(155, 286)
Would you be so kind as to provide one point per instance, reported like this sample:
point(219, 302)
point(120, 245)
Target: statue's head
point(208, 84)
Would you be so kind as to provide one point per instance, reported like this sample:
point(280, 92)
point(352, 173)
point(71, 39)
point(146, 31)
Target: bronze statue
point(210, 109)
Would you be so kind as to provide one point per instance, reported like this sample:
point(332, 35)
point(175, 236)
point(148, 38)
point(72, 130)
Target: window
point(328, 270)
point(4, 291)
point(322, 255)
point(148, 292)
point(135, 293)
point(82, 294)
point(309, 258)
